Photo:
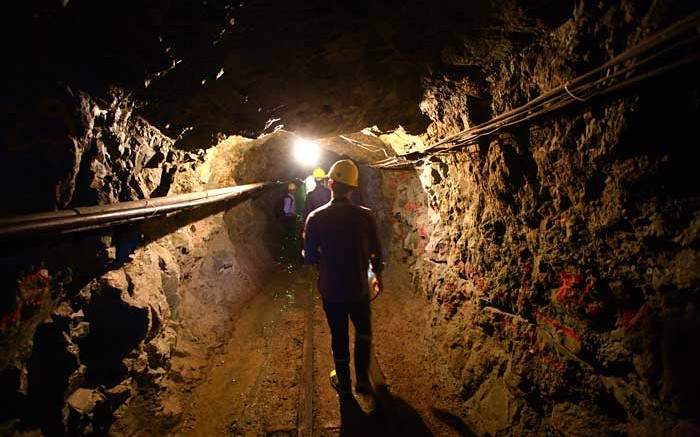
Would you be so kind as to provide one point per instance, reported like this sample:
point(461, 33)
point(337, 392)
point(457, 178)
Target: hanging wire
point(614, 76)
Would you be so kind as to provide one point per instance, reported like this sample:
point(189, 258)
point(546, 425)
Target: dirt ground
point(270, 377)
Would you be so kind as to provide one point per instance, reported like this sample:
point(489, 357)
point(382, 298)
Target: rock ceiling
point(249, 67)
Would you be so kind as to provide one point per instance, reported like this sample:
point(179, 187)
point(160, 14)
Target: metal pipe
point(102, 216)
point(157, 201)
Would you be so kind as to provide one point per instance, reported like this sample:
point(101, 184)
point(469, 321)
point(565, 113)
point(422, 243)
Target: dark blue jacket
point(316, 198)
point(342, 239)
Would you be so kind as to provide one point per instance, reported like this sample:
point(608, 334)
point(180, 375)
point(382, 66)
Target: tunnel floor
point(260, 382)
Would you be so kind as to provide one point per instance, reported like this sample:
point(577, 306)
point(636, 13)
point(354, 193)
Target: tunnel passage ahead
point(256, 382)
point(553, 262)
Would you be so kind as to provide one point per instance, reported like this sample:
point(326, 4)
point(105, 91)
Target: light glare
point(306, 152)
point(310, 183)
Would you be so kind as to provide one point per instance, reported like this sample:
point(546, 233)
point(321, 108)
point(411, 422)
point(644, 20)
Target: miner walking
point(286, 212)
point(317, 197)
point(341, 239)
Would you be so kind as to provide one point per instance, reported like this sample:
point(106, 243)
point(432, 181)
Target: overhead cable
point(650, 58)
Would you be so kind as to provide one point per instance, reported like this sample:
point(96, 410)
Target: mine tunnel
point(530, 167)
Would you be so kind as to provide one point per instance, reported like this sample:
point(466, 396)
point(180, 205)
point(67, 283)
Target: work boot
point(340, 377)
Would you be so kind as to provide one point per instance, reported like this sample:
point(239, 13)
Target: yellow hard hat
point(292, 186)
point(318, 173)
point(345, 172)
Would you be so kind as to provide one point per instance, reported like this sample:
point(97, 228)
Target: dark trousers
point(337, 315)
point(288, 239)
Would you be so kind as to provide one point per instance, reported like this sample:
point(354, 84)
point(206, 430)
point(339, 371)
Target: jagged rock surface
point(558, 261)
point(555, 256)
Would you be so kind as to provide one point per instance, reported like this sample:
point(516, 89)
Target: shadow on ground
point(392, 416)
point(454, 422)
point(356, 422)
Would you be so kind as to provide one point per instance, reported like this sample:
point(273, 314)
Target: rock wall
point(83, 150)
point(95, 326)
point(560, 259)
point(81, 323)
point(107, 328)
